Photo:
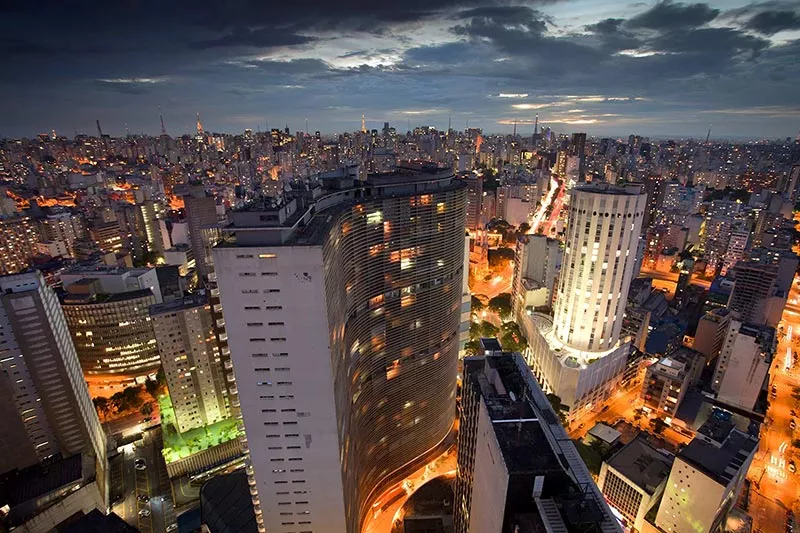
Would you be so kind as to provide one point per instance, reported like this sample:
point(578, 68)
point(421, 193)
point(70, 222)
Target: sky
point(611, 67)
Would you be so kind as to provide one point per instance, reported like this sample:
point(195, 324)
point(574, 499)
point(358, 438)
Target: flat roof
point(719, 463)
point(604, 433)
point(642, 464)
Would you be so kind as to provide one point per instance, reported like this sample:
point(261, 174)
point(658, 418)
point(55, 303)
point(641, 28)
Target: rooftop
point(642, 464)
point(187, 302)
point(721, 463)
point(103, 298)
point(19, 486)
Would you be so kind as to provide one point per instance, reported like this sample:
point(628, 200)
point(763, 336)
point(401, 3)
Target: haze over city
point(610, 68)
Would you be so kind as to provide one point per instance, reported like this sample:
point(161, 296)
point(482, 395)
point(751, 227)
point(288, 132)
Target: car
point(792, 467)
point(144, 513)
point(141, 467)
point(172, 527)
point(792, 412)
point(144, 498)
point(792, 424)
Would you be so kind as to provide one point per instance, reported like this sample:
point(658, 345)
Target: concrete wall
point(490, 480)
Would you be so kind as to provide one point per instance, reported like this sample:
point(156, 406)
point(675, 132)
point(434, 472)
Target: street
point(773, 483)
point(146, 496)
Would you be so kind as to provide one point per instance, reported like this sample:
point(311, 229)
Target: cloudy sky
point(609, 67)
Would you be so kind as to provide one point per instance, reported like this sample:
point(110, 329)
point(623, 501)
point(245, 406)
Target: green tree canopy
point(501, 304)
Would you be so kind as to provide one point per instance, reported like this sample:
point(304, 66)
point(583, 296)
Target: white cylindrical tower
point(603, 230)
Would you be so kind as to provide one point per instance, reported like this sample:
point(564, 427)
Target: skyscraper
point(536, 267)
point(602, 237)
point(201, 214)
point(743, 364)
point(517, 469)
point(18, 238)
point(754, 299)
point(191, 361)
point(579, 354)
point(342, 305)
point(46, 410)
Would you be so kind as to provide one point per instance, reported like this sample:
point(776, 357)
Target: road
point(151, 483)
point(538, 217)
point(389, 504)
point(772, 481)
point(499, 283)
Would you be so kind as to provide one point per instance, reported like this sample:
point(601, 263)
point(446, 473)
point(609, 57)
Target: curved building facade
point(355, 305)
point(113, 335)
point(596, 271)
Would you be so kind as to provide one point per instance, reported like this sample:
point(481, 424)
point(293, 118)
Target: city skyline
point(657, 69)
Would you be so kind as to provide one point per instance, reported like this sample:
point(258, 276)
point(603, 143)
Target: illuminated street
point(388, 505)
point(770, 473)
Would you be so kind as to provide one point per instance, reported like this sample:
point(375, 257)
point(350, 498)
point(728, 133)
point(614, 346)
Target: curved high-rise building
point(342, 304)
point(602, 236)
point(577, 354)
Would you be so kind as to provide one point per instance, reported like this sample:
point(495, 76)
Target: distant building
point(114, 280)
point(753, 297)
point(711, 330)
point(191, 361)
point(743, 365)
point(633, 480)
point(18, 238)
point(705, 480)
point(667, 380)
point(537, 263)
point(474, 201)
point(517, 469)
point(201, 215)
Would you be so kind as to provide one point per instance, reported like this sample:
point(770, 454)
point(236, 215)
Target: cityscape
point(543, 309)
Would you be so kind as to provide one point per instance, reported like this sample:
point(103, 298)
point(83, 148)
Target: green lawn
point(181, 445)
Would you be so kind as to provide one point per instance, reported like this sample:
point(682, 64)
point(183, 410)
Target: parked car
point(144, 498)
point(792, 467)
point(144, 513)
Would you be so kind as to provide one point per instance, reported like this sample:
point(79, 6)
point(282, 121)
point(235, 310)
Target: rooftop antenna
point(199, 125)
point(536, 125)
point(515, 127)
point(449, 122)
point(306, 125)
point(99, 131)
point(708, 135)
point(163, 128)
point(363, 124)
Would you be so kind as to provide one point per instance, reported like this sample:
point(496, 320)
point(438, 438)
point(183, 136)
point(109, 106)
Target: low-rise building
point(633, 480)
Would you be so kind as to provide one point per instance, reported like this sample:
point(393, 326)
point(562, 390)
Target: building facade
point(517, 469)
point(743, 365)
point(190, 358)
point(355, 294)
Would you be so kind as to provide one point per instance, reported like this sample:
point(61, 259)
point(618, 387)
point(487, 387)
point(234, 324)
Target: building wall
point(188, 350)
point(691, 500)
point(741, 369)
point(275, 313)
point(490, 478)
point(626, 497)
point(40, 353)
point(601, 244)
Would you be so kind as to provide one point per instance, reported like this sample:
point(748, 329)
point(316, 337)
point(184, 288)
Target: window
point(273, 307)
point(257, 339)
point(269, 273)
point(278, 339)
point(251, 308)
point(276, 324)
point(255, 323)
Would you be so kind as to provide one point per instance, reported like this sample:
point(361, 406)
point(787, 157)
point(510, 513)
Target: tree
point(147, 409)
point(472, 347)
point(152, 387)
point(523, 229)
point(511, 337)
point(501, 304)
point(487, 329)
point(558, 407)
point(102, 406)
point(476, 304)
point(499, 256)
point(658, 425)
point(474, 331)
point(796, 443)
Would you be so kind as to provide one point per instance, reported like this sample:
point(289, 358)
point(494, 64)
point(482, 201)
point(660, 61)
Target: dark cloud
point(667, 15)
point(608, 26)
point(70, 63)
point(260, 38)
point(771, 22)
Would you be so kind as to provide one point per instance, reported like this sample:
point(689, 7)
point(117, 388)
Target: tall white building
point(602, 238)
point(46, 409)
point(191, 361)
point(578, 354)
point(343, 305)
point(743, 364)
